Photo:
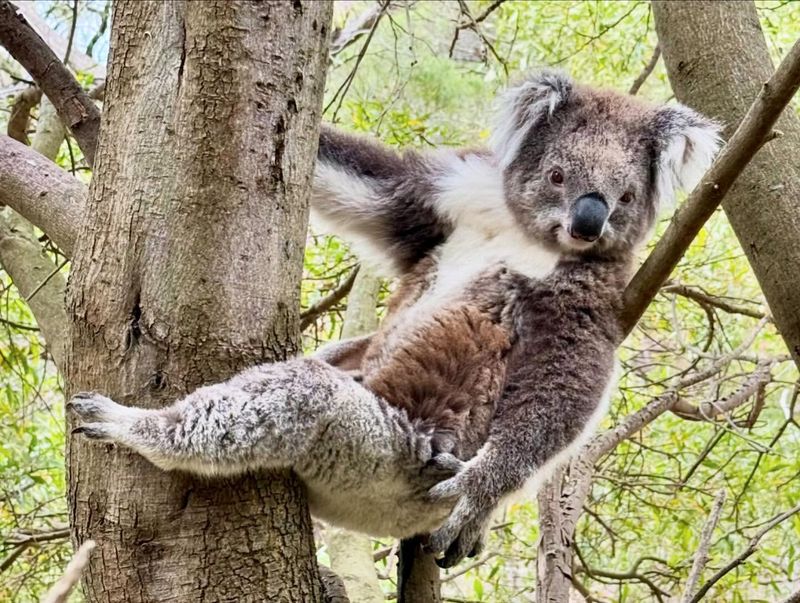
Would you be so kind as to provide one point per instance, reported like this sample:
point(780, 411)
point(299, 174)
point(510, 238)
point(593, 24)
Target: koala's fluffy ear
point(522, 106)
point(686, 143)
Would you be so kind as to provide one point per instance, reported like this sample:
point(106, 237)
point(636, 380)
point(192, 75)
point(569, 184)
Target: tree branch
point(307, 317)
point(693, 214)
point(703, 298)
point(701, 555)
point(648, 69)
point(357, 27)
point(32, 272)
point(709, 410)
point(40, 191)
point(59, 592)
point(741, 557)
point(77, 111)
point(20, 116)
point(605, 442)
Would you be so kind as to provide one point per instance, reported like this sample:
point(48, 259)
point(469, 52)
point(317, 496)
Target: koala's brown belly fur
point(447, 368)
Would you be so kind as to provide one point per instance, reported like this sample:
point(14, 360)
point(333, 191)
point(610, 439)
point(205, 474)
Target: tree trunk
point(717, 60)
point(187, 270)
point(351, 553)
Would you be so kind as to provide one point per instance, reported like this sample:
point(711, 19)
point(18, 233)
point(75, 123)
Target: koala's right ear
point(686, 143)
point(525, 105)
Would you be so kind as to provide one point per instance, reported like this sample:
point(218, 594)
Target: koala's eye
point(627, 198)
point(556, 177)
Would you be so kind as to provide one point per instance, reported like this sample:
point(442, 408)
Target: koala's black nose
point(589, 215)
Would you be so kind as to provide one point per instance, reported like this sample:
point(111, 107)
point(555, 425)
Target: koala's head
point(586, 170)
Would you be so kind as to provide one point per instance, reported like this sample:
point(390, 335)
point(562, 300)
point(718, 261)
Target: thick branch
point(36, 277)
point(692, 215)
point(77, 111)
point(41, 192)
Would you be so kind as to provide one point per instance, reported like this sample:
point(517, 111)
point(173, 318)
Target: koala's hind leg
point(303, 414)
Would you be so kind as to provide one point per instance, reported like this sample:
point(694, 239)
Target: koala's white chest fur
point(485, 235)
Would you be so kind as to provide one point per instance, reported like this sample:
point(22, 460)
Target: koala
point(496, 358)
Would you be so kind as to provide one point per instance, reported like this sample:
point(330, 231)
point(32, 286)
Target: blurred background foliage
point(421, 75)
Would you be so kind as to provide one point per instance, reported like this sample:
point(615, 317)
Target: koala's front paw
point(443, 466)
point(463, 532)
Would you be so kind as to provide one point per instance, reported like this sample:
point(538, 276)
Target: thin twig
point(21, 327)
point(701, 555)
point(19, 538)
point(702, 297)
point(648, 69)
point(469, 567)
point(307, 317)
point(355, 29)
point(742, 557)
point(46, 280)
point(342, 91)
point(71, 37)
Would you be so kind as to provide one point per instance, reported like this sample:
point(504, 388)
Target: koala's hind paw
point(91, 406)
point(101, 418)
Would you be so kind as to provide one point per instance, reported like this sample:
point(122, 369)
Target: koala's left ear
point(525, 106)
point(686, 143)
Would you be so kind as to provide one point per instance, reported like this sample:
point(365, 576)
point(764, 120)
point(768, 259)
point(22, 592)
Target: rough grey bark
point(42, 192)
point(186, 270)
point(717, 60)
point(351, 553)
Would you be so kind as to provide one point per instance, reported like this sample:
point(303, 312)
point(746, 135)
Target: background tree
point(703, 43)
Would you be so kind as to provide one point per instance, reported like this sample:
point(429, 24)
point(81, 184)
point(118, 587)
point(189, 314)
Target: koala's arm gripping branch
point(752, 133)
point(76, 110)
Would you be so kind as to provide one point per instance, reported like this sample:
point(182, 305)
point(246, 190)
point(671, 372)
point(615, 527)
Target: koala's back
point(443, 359)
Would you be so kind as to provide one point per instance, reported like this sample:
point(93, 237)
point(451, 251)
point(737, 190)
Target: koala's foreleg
point(300, 414)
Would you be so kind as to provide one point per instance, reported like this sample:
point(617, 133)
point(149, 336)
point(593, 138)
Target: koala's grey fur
point(498, 349)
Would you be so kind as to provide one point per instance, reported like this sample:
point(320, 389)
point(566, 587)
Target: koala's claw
point(95, 431)
point(443, 466)
point(101, 418)
point(457, 543)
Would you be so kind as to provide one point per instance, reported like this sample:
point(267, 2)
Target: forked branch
point(75, 108)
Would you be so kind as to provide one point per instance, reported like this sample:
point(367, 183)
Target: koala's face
point(585, 170)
